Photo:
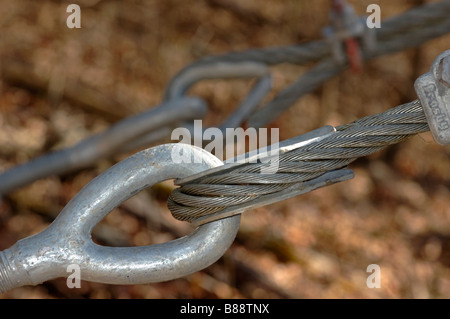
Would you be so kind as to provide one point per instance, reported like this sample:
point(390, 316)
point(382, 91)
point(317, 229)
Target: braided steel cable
point(417, 18)
point(407, 30)
point(328, 68)
point(427, 16)
point(157, 120)
point(212, 193)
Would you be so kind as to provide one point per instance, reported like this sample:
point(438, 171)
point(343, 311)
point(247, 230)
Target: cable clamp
point(433, 89)
point(346, 34)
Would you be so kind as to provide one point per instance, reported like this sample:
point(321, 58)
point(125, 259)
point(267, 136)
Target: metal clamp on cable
point(345, 31)
point(433, 89)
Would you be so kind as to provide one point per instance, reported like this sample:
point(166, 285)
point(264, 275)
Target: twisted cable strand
point(429, 16)
point(214, 192)
point(328, 68)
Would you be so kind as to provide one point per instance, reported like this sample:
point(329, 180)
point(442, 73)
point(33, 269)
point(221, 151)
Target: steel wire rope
point(212, 193)
point(328, 68)
point(409, 29)
point(426, 16)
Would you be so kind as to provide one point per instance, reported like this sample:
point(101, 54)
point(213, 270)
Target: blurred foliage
point(61, 85)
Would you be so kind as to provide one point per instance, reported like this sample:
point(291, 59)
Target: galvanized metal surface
point(299, 170)
point(184, 80)
point(67, 240)
point(258, 194)
point(404, 31)
point(433, 89)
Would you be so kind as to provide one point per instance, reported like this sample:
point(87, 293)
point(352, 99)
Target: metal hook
point(67, 240)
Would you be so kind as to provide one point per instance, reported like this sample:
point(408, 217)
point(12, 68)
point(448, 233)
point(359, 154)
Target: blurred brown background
point(394, 213)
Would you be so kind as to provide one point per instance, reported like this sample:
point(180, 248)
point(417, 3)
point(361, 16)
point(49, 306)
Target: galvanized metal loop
point(215, 70)
point(183, 81)
point(67, 240)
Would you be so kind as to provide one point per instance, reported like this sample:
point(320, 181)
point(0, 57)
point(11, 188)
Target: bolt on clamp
point(433, 89)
